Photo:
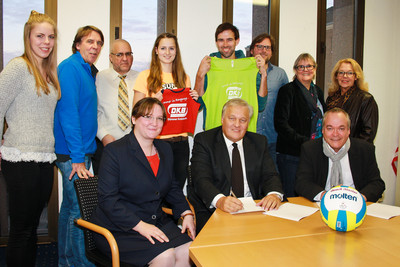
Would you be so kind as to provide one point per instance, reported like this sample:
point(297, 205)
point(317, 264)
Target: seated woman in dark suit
point(135, 176)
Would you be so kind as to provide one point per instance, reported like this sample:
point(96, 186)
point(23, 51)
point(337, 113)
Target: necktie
point(123, 104)
point(237, 172)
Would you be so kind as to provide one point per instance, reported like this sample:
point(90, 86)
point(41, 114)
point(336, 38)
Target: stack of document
point(292, 212)
point(249, 205)
point(286, 211)
point(383, 211)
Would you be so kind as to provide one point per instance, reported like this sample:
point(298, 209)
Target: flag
point(394, 160)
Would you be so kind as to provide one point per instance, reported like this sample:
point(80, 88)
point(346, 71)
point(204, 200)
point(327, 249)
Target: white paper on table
point(249, 205)
point(292, 211)
point(383, 211)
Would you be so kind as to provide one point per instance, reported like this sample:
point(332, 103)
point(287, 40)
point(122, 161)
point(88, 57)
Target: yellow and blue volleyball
point(343, 208)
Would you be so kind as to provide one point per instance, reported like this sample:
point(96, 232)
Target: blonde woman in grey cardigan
point(29, 91)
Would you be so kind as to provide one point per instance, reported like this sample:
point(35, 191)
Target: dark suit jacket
point(211, 169)
point(129, 191)
point(292, 118)
point(313, 169)
point(364, 115)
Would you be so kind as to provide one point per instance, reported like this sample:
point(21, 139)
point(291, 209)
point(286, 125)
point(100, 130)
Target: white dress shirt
point(247, 192)
point(107, 82)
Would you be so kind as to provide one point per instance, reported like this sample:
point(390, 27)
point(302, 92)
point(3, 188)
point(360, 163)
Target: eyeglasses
point(348, 73)
point(266, 47)
point(151, 118)
point(305, 67)
point(127, 54)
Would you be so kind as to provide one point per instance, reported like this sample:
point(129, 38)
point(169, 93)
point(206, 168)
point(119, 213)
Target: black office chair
point(86, 191)
point(197, 204)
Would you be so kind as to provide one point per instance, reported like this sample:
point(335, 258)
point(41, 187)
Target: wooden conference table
point(255, 239)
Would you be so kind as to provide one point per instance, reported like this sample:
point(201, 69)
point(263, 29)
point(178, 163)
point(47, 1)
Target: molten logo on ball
point(343, 208)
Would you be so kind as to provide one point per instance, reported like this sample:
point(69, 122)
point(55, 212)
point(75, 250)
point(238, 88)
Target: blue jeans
point(287, 166)
point(71, 245)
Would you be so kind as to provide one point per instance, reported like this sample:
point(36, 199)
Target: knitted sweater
point(29, 136)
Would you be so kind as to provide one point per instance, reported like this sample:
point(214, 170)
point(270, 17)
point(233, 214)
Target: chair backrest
point(86, 191)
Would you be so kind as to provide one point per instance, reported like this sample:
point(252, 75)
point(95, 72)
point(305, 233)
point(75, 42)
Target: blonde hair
point(154, 81)
point(334, 86)
point(304, 56)
point(49, 64)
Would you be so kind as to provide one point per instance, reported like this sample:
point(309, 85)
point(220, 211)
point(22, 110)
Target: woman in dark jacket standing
point(298, 117)
point(349, 92)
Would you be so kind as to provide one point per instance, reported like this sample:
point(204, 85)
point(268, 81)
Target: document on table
point(383, 211)
point(248, 205)
point(292, 212)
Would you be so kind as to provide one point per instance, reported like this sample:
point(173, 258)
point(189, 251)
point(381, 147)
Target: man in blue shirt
point(263, 45)
point(75, 128)
point(226, 40)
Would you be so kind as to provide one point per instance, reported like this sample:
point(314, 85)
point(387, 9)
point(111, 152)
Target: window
point(341, 30)
point(140, 22)
point(253, 17)
point(15, 14)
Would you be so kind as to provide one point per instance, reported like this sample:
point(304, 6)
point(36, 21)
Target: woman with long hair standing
point(167, 72)
point(349, 91)
point(29, 91)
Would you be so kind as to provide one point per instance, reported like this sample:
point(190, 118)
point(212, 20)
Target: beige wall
point(297, 32)
point(73, 14)
point(382, 70)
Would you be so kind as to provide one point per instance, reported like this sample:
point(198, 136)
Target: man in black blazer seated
point(337, 159)
point(211, 166)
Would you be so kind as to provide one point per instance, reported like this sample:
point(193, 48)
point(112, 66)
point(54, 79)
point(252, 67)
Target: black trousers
point(29, 186)
point(181, 152)
point(96, 158)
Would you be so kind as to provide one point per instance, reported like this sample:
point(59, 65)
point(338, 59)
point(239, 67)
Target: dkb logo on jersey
point(234, 92)
point(177, 110)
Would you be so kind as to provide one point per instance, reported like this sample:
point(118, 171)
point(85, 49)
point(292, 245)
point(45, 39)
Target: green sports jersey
point(228, 79)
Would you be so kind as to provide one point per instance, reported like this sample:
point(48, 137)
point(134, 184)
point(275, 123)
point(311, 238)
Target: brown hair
point(226, 26)
point(49, 64)
point(145, 105)
point(84, 31)
point(360, 82)
point(154, 81)
point(261, 38)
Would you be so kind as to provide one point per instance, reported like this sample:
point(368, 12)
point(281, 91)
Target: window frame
point(358, 38)
point(116, 18)
point(227, 16)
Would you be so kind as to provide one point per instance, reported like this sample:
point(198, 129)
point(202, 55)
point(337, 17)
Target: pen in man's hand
point(233, 194)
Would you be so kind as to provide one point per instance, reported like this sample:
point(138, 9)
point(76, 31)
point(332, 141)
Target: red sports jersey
point(181, 111)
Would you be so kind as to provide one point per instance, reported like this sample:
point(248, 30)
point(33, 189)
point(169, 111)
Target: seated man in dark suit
point(337, 159)
point(219, 175)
